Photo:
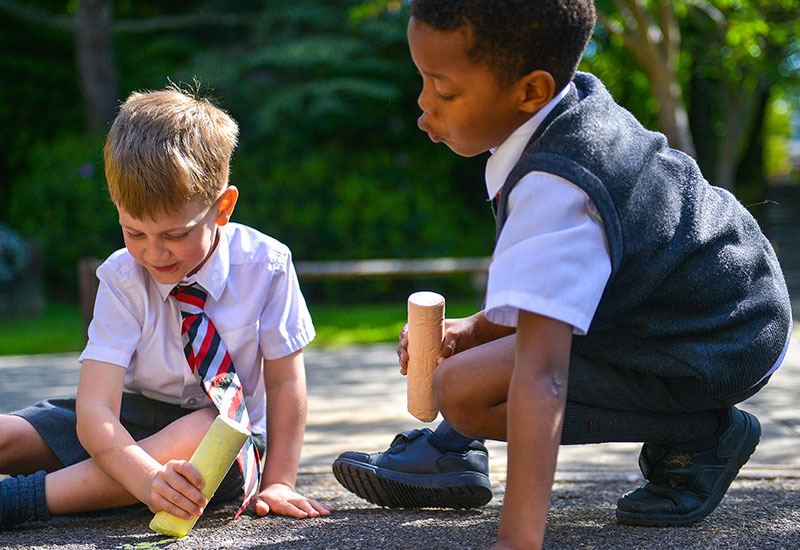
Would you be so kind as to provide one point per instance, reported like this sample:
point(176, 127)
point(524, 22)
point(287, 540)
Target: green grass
point(60, 329)
point(369, 323)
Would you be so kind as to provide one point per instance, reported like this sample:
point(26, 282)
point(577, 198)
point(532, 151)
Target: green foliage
point(777, 131)
point(335, 205)
point(39, 96)
point(330, 160)
point(63, 203)
point(609, 60)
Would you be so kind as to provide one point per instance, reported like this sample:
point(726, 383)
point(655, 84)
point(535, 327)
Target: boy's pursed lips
point(433, 137)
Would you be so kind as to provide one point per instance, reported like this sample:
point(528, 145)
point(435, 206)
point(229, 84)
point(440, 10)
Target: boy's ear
point(227, 201)
point(538, 88)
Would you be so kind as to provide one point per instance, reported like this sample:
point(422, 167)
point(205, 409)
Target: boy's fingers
point(286, 508)
point(262, 508)
point(448, 347)
point(184, 493)
point(320, 508)
point(176, 504)
point(187, 470)
point(402, 355)
point(306, 507)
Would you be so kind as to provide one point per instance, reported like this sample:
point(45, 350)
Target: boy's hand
point(176, 488)
point(459, 334)
point(283, 500)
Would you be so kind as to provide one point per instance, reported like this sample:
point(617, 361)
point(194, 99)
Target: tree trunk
point(742, 105)
point(96, 63)
point(653, 36)
point(672, 117)
point(751, 180)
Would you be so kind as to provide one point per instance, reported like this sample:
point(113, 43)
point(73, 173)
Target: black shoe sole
point(392, 489)
point(747, 445)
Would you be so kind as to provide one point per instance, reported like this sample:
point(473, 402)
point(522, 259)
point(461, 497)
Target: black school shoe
point(685, 487)
point(417, 472)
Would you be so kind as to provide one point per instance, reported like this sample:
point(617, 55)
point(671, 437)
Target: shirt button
point(191, 401)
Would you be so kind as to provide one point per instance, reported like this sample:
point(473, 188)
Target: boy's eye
point(135, 235)
point(176, 237)
point(445, 97)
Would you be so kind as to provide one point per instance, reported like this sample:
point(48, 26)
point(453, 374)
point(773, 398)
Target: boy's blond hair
point(166, 148)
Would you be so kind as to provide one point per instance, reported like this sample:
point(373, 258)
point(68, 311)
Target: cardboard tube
point(425, 337)
point(212, 458)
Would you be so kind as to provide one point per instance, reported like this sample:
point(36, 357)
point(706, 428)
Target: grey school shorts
point(55, 421)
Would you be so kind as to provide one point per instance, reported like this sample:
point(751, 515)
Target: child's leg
point(443, 469)
point(471, 388)
point(36, 496)
point(22, 449)
point(605, 404)
point(98, 491)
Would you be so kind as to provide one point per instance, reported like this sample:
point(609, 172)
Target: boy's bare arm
point(285, 383)
point(173, 488)
point(459, 335)
point(535, 408)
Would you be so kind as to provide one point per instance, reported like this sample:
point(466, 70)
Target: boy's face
point(174, 245)
point(463, 103)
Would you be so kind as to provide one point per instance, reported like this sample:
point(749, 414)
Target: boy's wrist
point(266, 484)
point(486, 331)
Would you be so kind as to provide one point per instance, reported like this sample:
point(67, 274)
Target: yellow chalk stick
point(212, 458)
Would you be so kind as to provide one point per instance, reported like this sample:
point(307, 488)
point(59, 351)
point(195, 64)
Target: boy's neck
point(210, 252)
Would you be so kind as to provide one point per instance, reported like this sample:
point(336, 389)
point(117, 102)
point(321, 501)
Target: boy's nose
point(156, 253)
point(424, 102)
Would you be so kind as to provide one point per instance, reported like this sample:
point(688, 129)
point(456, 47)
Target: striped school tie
point(208, 357)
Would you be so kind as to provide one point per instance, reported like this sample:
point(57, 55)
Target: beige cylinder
point(212, 458)
point(425, 337)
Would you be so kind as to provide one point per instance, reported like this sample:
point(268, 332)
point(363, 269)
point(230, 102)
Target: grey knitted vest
point(695, 290)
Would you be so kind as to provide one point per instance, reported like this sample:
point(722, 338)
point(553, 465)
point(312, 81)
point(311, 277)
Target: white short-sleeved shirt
point(552, 256)
point(254, 300)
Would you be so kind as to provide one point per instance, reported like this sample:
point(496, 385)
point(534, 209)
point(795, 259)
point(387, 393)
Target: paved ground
point(357, 401)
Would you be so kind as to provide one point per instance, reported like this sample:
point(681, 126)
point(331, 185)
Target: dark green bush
point(63, 203)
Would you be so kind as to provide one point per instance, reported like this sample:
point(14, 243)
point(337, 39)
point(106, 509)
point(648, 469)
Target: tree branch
point(176, 22)
point(670, 32)
point(647, 31)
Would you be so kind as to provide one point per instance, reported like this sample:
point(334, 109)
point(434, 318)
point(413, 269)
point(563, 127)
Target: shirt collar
point(506, 155)
point(214, 273)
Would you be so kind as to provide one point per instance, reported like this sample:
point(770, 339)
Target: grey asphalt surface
point(357, 402)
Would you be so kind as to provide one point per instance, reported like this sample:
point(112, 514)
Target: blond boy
point(142, 406)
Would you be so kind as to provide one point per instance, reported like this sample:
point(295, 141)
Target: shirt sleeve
point(552, 255)
point(115, 329)
point(285, 323)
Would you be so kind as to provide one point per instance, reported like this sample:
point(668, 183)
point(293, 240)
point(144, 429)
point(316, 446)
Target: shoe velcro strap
point(400, 440)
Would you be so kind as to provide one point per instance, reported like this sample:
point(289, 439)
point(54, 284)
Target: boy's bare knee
point(22, 449)
point(453, 396)
point(199, 421)
point(179, 439)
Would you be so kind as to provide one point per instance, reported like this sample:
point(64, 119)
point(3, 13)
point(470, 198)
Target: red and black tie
point(209, 359)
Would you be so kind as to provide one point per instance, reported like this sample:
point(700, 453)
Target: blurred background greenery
point(330, 160)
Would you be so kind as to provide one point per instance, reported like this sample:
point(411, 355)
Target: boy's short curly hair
point(515, 37)
point(166, 148)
